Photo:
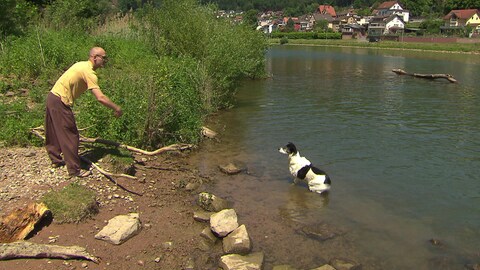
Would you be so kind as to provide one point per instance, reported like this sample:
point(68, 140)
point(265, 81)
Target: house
point(393, 24)
point(380, 25)
point(458, 19)
point(332, 23)
point(353, 31)
point(296, 27)
point(376, 28)
point(307, 22)
point(392, 8)
point(327, 9)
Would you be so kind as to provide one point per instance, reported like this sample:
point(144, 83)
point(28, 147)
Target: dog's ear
point(291, 148)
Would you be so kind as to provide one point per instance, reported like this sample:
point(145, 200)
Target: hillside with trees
point(423, 8)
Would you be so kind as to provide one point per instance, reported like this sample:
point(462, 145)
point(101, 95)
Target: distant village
point(389, 18)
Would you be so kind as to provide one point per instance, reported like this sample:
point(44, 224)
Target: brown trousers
point(61, 134)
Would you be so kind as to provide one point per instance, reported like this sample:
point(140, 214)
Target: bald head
point(96, 51)
point(98, 57)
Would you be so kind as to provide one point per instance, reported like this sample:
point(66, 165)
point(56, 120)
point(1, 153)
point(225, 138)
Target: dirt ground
point(170, 237)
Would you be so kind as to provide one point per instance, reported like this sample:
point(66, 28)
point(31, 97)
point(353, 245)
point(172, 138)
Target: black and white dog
point(303, 170)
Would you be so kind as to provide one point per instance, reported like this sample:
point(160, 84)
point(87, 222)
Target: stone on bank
point(120, 228)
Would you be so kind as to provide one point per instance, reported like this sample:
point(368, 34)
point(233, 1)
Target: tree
point(15, 15)
point(431, 26)
point(290, 27)
point(461, 4)
point(321, 25)
point(250, 18)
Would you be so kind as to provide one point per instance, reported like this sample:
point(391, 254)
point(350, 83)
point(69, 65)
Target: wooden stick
point(426, 76)
point(24, 249)
point(173, 147)
point(102, 171)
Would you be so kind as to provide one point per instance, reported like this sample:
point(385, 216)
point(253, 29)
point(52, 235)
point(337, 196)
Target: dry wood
point(208, 133)
point(426, 76)
point(19, 223)
point(38, 131)
point(24, 249)
point(110, 176)
point(174, 147)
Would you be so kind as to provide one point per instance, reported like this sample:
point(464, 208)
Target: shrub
point(306, 35)
point(225, 53)
point(167, 76)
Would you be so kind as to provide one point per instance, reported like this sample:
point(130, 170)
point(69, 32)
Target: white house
point(392, 8)
point(393, 24)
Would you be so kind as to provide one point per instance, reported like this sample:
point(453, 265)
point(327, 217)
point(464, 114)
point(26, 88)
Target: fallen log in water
point(425, 76)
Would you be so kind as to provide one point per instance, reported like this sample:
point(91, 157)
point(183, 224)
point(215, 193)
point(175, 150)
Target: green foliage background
point(167, 74)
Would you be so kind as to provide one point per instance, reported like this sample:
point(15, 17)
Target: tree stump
point(20, 222)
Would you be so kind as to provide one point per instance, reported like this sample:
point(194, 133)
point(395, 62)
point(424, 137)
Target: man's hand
point(118, 112)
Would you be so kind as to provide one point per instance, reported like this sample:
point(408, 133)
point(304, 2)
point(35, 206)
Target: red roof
point(387, 5)
point(327, 9)
point(462, 13)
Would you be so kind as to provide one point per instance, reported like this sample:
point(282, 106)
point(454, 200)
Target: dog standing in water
point(302, 170)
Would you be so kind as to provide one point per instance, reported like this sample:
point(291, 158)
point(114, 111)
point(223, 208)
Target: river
point(402, 153)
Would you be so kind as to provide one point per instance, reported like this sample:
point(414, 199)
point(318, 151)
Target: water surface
point(402, 152)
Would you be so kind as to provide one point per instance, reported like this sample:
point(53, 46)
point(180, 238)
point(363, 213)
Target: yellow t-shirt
point(75, 81)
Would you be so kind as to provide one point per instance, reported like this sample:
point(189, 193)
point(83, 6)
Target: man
point(60, 128)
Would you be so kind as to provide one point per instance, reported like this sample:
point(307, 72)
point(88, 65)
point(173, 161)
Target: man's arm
point(107, 102)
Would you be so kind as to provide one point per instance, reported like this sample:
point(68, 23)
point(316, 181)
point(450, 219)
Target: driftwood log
point(20, 223)
point(24, 249)
point(426, 76)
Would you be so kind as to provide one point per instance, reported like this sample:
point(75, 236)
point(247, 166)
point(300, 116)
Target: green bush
point(306, 35)
point(17, 120)
point(225, 53)
point(167, 75)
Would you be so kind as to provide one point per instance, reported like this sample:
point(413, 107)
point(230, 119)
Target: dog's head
point(288, 149)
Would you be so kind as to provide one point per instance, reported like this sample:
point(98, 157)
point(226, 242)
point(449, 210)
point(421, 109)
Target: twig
point(173, 147)
point(166, 169)
point(41, 49)
point(102, 171)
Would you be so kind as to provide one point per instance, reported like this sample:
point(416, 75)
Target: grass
point(72, 204)
point(448, 47)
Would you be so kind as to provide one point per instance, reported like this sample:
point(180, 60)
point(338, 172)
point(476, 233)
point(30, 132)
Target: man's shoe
point(81, 174)
point(58, 165)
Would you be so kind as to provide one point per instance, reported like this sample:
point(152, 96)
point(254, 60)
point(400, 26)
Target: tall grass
point(167, 75)
point(225, 53)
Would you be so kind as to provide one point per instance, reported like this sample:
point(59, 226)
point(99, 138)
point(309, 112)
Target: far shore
point(461, 48)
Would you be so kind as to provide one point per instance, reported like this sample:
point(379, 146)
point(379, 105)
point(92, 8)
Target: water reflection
point(300, 202)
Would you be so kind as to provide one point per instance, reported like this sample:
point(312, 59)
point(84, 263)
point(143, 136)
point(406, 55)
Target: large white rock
point(253, 261)
point(238, 241)
point(325, 267)
point(224, 222)
point(120, 228)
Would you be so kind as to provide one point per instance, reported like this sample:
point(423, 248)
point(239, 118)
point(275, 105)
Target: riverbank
point(170, 238)
point(470, 48)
